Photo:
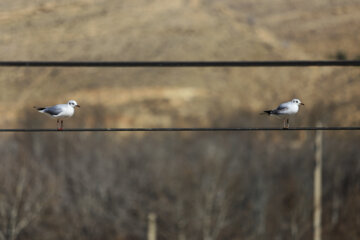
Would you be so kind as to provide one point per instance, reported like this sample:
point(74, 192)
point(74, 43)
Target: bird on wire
point(60, 112)
point(286, 109)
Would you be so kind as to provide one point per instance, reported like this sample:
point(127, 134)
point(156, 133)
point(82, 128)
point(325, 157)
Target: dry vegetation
point(202, 186)
point(150, 30)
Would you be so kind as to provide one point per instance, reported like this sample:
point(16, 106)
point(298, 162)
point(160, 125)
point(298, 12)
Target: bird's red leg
point(57, 124)
point(62, 125)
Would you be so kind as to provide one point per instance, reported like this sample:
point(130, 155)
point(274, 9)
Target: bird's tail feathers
point(40, 109)
point(268, 112)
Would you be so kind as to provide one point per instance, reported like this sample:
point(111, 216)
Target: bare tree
point(24, 195)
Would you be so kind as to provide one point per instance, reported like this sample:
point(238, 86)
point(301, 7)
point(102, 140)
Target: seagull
point(60, 111)
point(287, 108)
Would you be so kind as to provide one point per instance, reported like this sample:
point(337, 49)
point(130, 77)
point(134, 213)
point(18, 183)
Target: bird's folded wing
point(281, 109)
point(54, 110)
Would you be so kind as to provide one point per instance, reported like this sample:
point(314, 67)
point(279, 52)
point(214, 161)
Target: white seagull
point(60, 111)
point(287, 108)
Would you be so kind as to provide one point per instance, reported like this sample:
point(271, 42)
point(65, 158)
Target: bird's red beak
point(302, 104)
point(77, 106)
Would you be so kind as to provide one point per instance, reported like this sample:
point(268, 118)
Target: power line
point(182, 129)
point(300, 63)
point(303, 63)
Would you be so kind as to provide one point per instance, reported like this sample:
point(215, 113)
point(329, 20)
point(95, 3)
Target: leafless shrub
point(200, 185)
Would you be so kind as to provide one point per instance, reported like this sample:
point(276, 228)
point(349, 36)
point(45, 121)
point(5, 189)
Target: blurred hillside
point(201, 185)
point(179, 30)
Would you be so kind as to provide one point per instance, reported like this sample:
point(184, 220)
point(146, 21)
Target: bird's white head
point(297, 101)
point(73, 103)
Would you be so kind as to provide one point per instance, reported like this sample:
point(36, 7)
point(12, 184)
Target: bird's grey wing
point(281, 109)
point(284, 105)
point(54, 110)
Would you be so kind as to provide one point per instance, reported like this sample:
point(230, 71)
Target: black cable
point(300, 63)
point(178, 64)
point(183, 129)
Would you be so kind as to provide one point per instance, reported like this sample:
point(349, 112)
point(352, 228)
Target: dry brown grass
point(179, 30)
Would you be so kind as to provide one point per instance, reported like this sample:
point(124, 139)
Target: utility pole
point(151, 234)
point(318, 184)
